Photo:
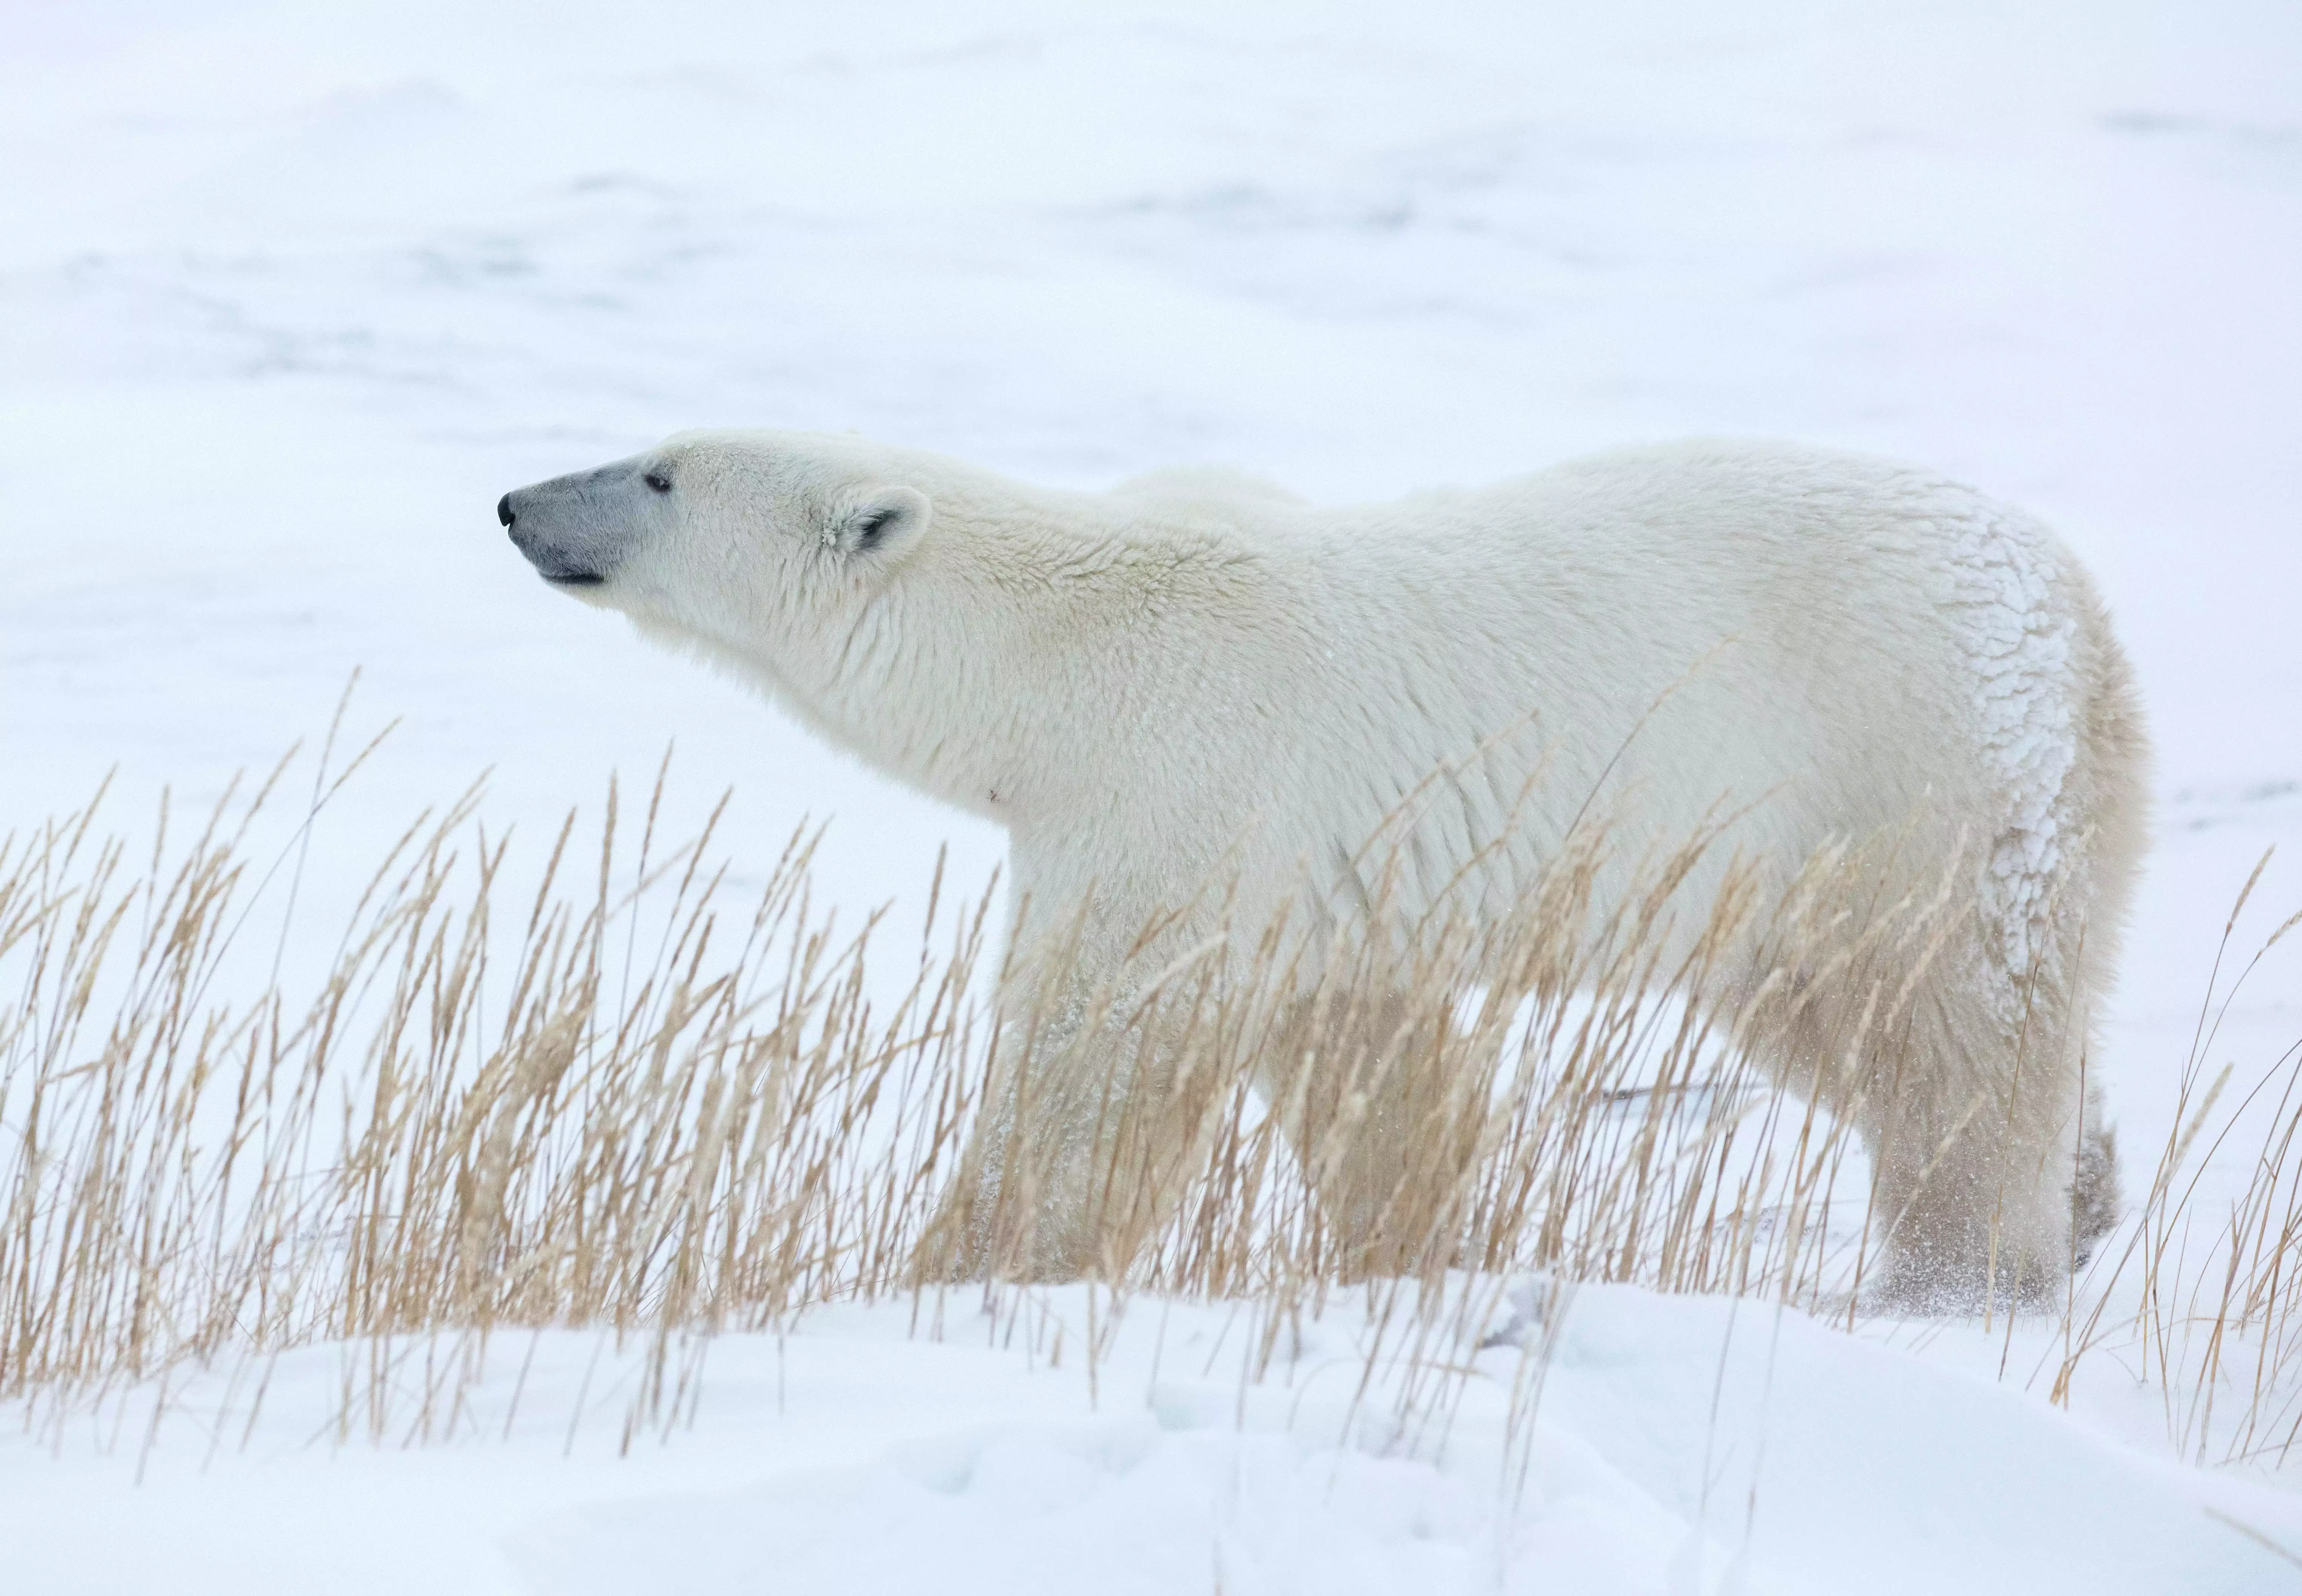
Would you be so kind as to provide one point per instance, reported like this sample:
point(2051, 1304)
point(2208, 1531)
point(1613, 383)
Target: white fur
point(1197, 669)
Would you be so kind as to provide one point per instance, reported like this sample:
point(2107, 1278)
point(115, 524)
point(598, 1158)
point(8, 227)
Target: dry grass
point(623, 1098)
point(2211, 1286)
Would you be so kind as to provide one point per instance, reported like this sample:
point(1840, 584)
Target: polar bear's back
point(1657, 636)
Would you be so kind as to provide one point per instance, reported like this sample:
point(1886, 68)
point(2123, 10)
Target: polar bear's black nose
point(503, 509)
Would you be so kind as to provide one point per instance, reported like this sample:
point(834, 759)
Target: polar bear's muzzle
point(574, 530)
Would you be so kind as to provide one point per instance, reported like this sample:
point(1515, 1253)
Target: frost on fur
point(2018, 641)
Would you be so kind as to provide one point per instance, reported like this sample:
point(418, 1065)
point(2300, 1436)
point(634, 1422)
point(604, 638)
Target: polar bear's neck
point(1003, 668)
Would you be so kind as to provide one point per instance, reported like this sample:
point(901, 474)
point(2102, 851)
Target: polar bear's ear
point(883, 524)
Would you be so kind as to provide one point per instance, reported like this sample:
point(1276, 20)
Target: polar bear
point(1198, 673)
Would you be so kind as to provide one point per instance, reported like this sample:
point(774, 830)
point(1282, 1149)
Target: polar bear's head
point(748, 541)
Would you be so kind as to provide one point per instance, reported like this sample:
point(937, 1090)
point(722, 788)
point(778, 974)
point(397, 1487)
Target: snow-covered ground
point(1678, 1445)
point(289, 294)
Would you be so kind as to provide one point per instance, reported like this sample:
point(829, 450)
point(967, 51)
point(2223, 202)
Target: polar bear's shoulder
point(1209, 486)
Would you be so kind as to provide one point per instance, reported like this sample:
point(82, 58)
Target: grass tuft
point(633, 1098)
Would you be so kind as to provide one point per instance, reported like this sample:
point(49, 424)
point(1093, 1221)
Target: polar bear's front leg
point(1076, 1159)
point(1019, 1207)
point(1364, 1093)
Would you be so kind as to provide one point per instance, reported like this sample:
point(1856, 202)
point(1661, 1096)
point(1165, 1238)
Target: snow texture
point(1676, 1445)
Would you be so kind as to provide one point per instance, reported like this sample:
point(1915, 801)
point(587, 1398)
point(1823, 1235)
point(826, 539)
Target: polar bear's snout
point(576, 530)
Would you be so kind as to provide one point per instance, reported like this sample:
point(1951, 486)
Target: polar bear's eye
point(657, 480)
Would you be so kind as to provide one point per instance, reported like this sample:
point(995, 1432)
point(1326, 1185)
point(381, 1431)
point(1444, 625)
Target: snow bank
point(1637, 1444)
